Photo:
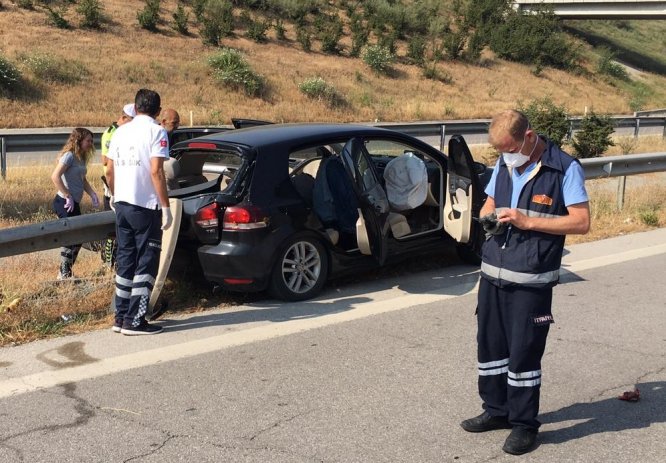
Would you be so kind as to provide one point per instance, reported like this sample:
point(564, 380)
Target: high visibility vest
point(106, 138)
point(524, 257)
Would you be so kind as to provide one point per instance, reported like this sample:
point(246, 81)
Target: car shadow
point(608, 415)
point(264, 311)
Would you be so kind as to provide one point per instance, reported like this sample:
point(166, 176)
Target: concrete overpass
point(598, 9)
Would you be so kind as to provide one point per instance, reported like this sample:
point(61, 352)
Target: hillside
point(121, 57)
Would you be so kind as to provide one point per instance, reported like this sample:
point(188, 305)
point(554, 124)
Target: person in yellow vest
point(109, 249)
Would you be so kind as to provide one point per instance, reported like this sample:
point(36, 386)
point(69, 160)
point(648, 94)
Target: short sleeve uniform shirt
point(132, 146)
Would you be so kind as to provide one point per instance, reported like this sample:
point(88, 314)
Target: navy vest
point(523, 257)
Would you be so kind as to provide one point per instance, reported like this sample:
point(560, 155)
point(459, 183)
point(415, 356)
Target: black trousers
point(513, 324)
point(139, 239)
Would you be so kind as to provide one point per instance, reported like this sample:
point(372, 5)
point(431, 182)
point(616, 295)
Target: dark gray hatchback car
point(252, 203)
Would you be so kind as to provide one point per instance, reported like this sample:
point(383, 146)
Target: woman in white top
point(69, 177)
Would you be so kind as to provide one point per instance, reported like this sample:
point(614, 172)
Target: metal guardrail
point(651, 112)
point(52, 139)
point(56, 233)
point(98, 226)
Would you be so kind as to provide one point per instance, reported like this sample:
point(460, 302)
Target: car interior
point(420, 213)
point(200, 170)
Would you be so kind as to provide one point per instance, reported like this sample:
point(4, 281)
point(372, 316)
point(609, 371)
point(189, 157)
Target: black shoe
point(485, 422)
point(143, 328)
point(521, 440)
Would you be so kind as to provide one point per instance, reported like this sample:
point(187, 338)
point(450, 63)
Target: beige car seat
point(171, 173)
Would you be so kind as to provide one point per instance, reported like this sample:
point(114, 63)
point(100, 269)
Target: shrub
point(388, 41)
point(359, 35)
point(416, 49)
point(50, 68)
point(280, 30)
point(534, 39)
point(217, 21)
point(649, 216)
point(256, 30)
point(378, 58)
point(26, 4)
point(330, 34)
point(57, 17)
point(10, 77)
point(150, 15)
point(607, 66)
point(198, 7)
point(593, 138)
point(231, 69)
point(547, 118)
point(304, 38)
point(431, 72)
point(91, 12)
point(317, 88)
point(180, 19)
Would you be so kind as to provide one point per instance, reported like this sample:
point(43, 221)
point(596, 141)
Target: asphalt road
point(379, 371)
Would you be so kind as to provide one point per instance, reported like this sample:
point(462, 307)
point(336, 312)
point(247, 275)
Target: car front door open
point(461, 187)
point(372, 226)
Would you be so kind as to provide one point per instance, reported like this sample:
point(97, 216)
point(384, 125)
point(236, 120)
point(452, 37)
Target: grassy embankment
point(122, 57)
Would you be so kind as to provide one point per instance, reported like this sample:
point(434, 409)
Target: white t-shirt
point(132, 146)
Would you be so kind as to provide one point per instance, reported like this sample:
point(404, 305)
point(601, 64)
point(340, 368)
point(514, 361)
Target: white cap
point(129, 110)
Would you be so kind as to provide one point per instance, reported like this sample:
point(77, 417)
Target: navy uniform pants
point(139, 238)
point(68, 254)
point(513, 324)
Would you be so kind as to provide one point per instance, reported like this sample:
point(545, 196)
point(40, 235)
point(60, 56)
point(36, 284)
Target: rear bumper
point(230, 264)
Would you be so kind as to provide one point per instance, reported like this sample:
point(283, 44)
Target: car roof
point(277, 134)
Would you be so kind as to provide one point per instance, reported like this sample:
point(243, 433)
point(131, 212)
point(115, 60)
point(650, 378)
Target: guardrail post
point(637, 127)
point(3, 158)
point(621, 186)
point(442, 136)
point(570, 131)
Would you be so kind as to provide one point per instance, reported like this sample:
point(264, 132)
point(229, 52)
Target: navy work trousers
point(139, 238)
point(68, 254)
point(513, 324)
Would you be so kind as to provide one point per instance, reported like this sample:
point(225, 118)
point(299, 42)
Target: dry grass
point(123, 58)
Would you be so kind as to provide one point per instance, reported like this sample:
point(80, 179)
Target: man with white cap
point(109, 249)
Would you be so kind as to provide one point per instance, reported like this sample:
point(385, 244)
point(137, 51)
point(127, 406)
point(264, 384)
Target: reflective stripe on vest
point(519, 277)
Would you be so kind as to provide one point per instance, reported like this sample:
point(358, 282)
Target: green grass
point(640, 43)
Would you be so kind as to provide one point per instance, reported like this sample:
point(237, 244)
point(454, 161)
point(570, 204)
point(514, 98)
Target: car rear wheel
point(300, 270)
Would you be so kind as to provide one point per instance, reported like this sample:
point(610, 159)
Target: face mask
point(513, 160)
point(517, 159)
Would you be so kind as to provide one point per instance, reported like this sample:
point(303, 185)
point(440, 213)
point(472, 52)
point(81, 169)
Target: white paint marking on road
point(47, 379)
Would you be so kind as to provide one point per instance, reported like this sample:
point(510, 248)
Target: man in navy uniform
point(136, 179)
point(536, 196)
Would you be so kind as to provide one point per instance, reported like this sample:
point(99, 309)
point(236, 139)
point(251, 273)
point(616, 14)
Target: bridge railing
point(98, 226)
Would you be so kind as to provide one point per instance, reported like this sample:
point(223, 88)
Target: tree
point(548, 119)
point(593, 138)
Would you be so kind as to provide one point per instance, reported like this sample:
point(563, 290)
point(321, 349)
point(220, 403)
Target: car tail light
point(239, 218)
point(208, 217)
point(202, 145)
